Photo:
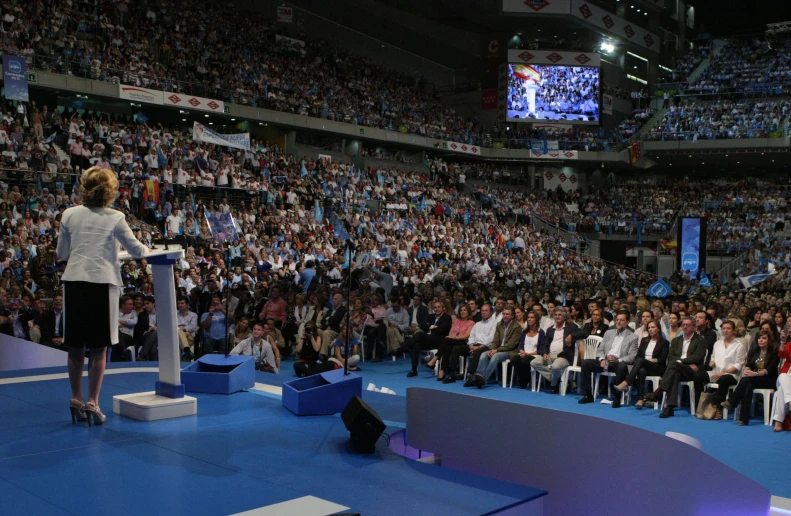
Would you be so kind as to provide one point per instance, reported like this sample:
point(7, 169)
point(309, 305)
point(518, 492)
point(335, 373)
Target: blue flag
point(704, 280)
point(659, 289)
point(755, 279)
point(304, 170)
point(319, 213)
point(143, 119)
point(161, 157)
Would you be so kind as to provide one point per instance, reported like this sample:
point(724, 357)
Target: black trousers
point(724, 382)
point(593, 365)
point(472, 367)
point(446, 348)
point(450, 362)
point(119, 350)
point(743, 394)
point(676, 372)
point(420, 341)
point(643, 368)
point(522, 369)
point(373, 337)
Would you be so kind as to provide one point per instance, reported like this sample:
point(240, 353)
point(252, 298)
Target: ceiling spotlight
point(211, 123)
point(645, 13)
point(260, 123)
point(233, 120)
point(638, 10)
point(207, 116)
point(183, 119)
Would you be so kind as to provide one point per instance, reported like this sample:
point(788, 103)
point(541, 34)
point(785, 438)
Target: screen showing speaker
point(553, 93)
point(692, 251)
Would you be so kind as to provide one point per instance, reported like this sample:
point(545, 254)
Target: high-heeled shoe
point(77, 410)
point(92, 412)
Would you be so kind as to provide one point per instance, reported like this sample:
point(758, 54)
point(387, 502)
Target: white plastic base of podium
point(148, 406)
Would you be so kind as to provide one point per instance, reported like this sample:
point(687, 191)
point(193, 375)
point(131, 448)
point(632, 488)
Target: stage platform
point(242, 452)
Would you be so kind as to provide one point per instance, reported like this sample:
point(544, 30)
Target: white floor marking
point(305, 506)
point(62, 376)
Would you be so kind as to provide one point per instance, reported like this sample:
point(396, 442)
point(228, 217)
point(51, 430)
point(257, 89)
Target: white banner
point(606, 103)
point(537, 6)
point(139, 94)
point(190, 102)
point(285, 14)
point(462, 147)
point(554, 57)
point(554, 177)
point(555, 154)
point(201, 133)
point(607, 21)
point(294, 41)
point(326, 159)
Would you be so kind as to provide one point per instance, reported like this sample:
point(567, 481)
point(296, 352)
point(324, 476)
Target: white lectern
point(168, 399)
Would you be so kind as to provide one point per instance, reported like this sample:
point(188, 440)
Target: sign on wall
point(554, 57)
point(285, 14)
point(606, 103)
point(537, 6)
point(139, 94)
point(191, 102)
point(15, 78)
point(607, 21)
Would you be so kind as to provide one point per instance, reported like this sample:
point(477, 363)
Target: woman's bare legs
point(96, 363)
point(76, 362)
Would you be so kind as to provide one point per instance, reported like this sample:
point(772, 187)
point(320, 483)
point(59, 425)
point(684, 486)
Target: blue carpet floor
point(241, 452)
point(749, 450)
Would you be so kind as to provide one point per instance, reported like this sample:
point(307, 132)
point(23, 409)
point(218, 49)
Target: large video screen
point(549, 93)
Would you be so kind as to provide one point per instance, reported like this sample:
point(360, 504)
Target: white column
point(167, 324)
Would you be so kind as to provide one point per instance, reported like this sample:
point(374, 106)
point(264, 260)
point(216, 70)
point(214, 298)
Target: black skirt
point(90, 309)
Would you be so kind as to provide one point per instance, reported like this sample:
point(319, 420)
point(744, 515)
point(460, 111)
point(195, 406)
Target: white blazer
point(89, 240)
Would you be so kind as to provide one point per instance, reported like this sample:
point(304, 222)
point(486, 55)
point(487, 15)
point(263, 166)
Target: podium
point(167, 400)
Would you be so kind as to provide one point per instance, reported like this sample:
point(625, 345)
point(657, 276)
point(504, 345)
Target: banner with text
point(201, 133)
point(15, 78)
point(554, 57)
point(554, 177)
point(462, 147)
point(189, 102)
point(557, 154)
point(537, 6)
point(607, 21)
point(294, 41)
point(606, 103)
point(139, 94)
point(285, 14)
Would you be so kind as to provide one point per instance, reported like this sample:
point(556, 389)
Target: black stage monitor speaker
point(364, 425)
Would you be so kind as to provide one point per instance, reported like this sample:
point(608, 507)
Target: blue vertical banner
point(691, 246)
point(15, 78)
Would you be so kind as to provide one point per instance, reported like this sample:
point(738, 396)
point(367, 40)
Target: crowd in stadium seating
point(629, 126)
point(240, 60)
point(754, 67)
point(684, 65)
point(721, 119)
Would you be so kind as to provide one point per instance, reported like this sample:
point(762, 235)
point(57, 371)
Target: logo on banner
point(570, 154)
point(464, 148)
point(454, 146)
point(194, 102)
point(607, 20)
point(562, 177)
point(536, 5)
point(174, 99)
point(629, 31)
point(582, 59)
point(474, 150)
point(554, 57)
point(549, 175)
point(494, 46)
point(689, 261)
point(649, 40)
point(526, 56)
point(15, 67)
point(585, 11)
point(573, 180)
point(213, 105)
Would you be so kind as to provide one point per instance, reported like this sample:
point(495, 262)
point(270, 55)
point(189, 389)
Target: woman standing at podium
point(88, 240)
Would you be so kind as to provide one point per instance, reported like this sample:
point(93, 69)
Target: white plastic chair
point(361, 337)
point(654, 386)
point(691, 386)
point(767, 394)
point(591, 346)
point(505, 373)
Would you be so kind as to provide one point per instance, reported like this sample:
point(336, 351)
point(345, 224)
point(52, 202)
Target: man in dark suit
point(687, 354)
point(330, 324)
point(418, 315)
point(434, 330)
point(616, 353)
point(52, 323)
point(557, 353)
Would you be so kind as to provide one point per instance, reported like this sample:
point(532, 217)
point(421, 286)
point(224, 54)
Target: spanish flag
point(668, 245)
point(527, 73)
point(635, 151)
point(151, 191)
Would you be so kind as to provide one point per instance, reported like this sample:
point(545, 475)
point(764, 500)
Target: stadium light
point(608, 47)
point(641, 58)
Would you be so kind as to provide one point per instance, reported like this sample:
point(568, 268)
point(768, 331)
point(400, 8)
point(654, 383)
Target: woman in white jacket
point(89, 240)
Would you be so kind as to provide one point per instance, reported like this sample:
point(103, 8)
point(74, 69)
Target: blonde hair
point(99, 187)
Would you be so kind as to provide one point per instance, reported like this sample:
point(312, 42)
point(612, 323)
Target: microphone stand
point(228, 279)
point(351, 247)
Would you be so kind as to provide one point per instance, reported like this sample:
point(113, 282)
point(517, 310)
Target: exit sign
point(32, 77)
